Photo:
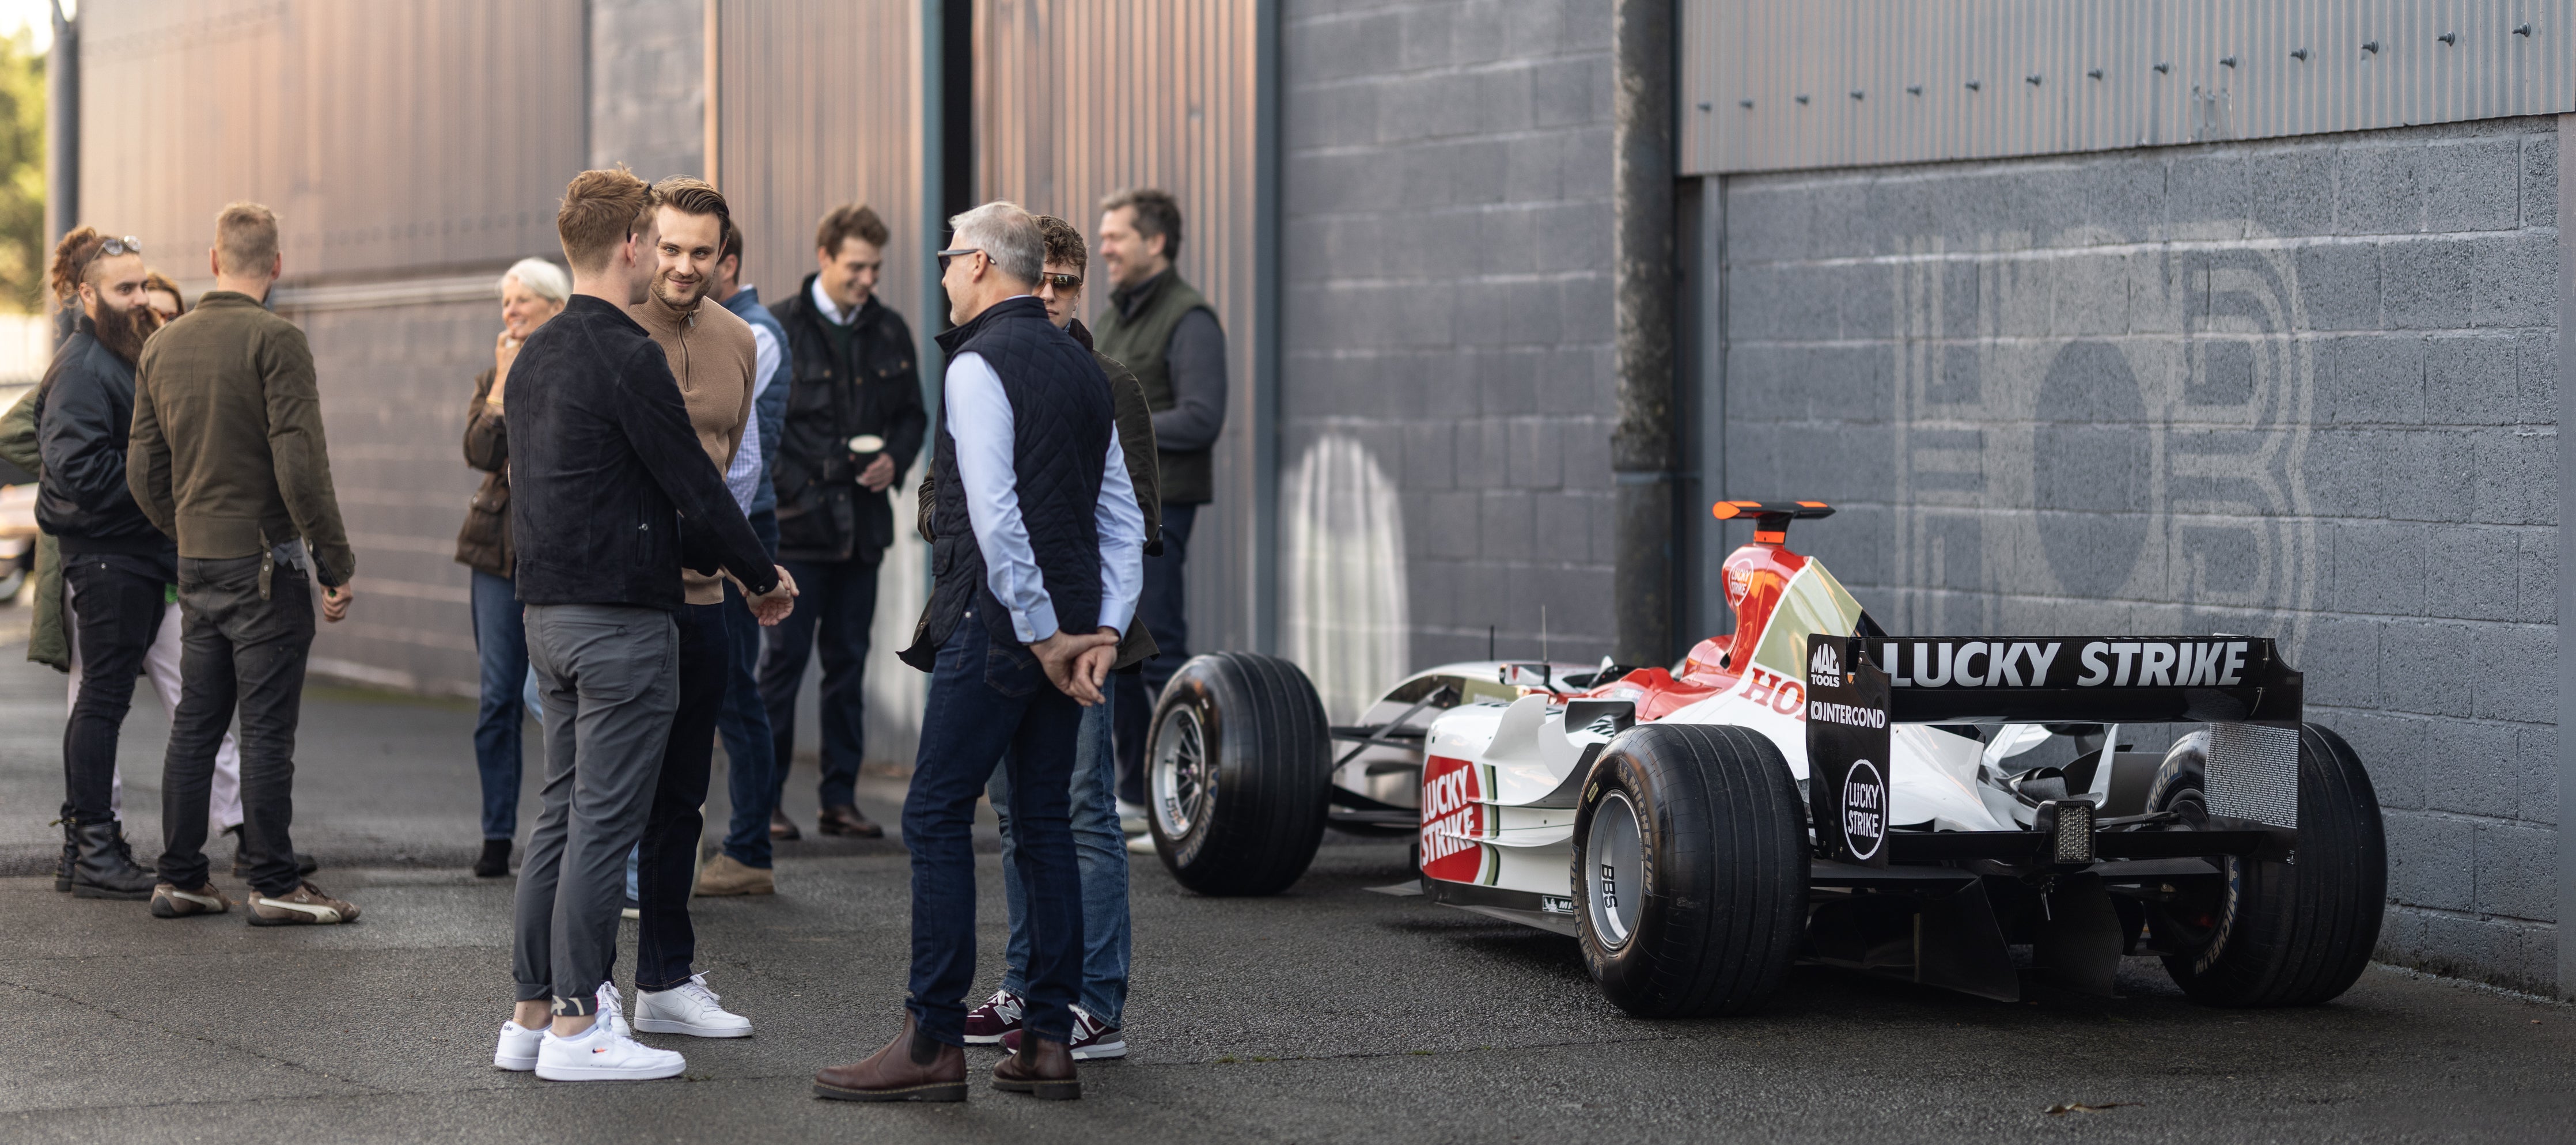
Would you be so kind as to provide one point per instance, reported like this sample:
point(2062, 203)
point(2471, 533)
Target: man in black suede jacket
point(610, 493)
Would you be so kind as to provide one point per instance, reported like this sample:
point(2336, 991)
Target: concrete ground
point(1327, 1014)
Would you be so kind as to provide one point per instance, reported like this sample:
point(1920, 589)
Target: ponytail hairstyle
point(72, 257)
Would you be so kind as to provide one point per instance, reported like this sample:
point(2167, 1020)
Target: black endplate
point(1848, 784)
point(1959, 946)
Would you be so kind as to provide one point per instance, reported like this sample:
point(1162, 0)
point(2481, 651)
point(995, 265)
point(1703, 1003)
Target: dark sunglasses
point(1067, 283)
point(955, 252)
point(113, 247)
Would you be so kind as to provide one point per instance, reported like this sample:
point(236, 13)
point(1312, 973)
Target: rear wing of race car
point(1858, 686)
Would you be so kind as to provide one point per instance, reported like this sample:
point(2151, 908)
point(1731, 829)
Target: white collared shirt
point(980, 421)
point(831, 310)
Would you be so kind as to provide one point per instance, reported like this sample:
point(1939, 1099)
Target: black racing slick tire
point(2295, 930)
point(1238, 770)
point(1690, 870)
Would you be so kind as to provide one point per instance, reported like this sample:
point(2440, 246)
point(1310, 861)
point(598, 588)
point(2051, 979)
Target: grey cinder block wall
point(2303, 388)
point(1446, 305)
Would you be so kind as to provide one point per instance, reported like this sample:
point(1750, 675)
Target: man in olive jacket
point(1164, 331)
point(227, 456)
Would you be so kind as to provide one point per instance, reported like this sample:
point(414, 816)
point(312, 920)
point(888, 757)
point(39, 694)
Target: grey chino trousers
point(609, 677)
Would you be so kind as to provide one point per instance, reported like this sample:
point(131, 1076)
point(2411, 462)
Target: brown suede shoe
point(843, 819)
point(912, 1067)
point(1043, 1069)
point(724, 875)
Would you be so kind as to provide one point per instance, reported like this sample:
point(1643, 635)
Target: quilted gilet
point(1060, 421)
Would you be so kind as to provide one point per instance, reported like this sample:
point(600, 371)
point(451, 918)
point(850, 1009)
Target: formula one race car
point(1951, 811)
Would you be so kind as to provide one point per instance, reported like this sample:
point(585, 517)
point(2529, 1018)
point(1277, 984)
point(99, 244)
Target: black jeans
point(1166, 614)
point(991, 704)
point(665, 941)
point(837, 601)
point(118, 618)
point(237, 650)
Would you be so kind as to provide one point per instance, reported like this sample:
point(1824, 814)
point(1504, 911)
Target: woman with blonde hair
point(533, 291)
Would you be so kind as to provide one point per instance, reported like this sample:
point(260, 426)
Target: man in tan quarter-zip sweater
point(715, 360)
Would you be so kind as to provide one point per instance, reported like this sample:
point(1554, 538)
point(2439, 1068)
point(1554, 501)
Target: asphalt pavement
point(1331, 1013)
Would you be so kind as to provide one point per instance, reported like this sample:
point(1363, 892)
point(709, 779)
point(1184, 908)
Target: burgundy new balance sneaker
point(1091, 1040)
point(999, 1015)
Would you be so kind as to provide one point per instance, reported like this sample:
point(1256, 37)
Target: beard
point(123, 331)
point(679, 297)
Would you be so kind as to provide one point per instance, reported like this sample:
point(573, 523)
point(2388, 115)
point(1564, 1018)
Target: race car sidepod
point(2256, 866)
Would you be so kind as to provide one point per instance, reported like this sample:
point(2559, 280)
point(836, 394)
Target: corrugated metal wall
point(1836, 83)
point(418, 148)
point(1075, 99)
point(389, 138)
point(819, 103)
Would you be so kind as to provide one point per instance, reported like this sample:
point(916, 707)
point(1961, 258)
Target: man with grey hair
point(1038, 546)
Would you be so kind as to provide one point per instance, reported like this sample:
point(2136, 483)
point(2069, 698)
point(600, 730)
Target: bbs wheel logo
point(1825, 668)
point(1864, 810)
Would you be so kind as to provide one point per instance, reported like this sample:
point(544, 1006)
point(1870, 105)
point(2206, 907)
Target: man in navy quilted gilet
point(1037, 562)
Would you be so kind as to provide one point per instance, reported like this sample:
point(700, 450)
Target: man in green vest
point(1165, 332)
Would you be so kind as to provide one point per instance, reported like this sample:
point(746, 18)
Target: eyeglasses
point(113, 247)
point(1067, 283)
point(954, 252)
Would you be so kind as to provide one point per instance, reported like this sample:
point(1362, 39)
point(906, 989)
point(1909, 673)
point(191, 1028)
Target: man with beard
point(714, 357)
point(117, 565)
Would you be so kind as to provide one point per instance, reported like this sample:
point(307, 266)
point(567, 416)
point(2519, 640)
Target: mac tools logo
point(1825, 668)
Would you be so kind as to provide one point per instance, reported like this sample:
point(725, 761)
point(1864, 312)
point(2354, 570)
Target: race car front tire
point(1690, 870)
point(2290, 931)
point(1238, 770)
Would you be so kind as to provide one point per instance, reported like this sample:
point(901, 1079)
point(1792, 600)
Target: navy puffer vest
point(1060, 420)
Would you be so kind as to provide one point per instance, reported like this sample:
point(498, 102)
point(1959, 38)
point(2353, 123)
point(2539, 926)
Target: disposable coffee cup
point(867, 444)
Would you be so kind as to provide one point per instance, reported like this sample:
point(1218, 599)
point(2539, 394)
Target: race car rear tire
point(2292, 932)
point(1704, 825)
point(1238, 769)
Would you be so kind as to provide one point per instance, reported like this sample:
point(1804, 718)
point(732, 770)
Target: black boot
point(305, 863)
point(105, 869)
point(495, 861)
point(71, 851)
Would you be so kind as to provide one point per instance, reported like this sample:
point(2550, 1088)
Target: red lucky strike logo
point(1450, 789)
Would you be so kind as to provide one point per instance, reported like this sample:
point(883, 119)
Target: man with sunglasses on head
point(854, 425)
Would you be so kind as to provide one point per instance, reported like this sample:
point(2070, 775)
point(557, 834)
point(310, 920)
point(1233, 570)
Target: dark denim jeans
point(836, 602)
point(501, 643)
point(752, 779)
point(118, 619)
point(237, 650)
point(991, 704)
point(1100, 852)
point(665, 942)
point(1165, 612)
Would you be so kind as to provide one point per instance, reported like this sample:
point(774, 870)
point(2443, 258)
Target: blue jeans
point(835, 605)
point(1100, 853)
point(1165, 613)
point(501, 643)
point(991, 704)
point(751, 776)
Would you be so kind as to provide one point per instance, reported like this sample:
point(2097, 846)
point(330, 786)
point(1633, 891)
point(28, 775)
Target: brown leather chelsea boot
point(1043, 1069)
point(912, 1067)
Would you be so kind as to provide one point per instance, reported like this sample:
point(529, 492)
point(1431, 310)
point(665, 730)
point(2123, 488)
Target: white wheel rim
point(1184, 782)
point(1614, 870)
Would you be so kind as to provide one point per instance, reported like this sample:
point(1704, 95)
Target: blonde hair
point(601, 210)
point(246, 239)
point(542, 278)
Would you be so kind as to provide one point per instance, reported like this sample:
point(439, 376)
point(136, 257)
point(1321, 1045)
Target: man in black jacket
point(609, 488)
point(118, 566)
point(854, 425)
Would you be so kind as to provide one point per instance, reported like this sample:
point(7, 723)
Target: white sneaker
point(602, 1054)
point(518, 1049)
point(1131, 818)
point(688, 1008)
point(1140, 844)
point(612, 1009)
